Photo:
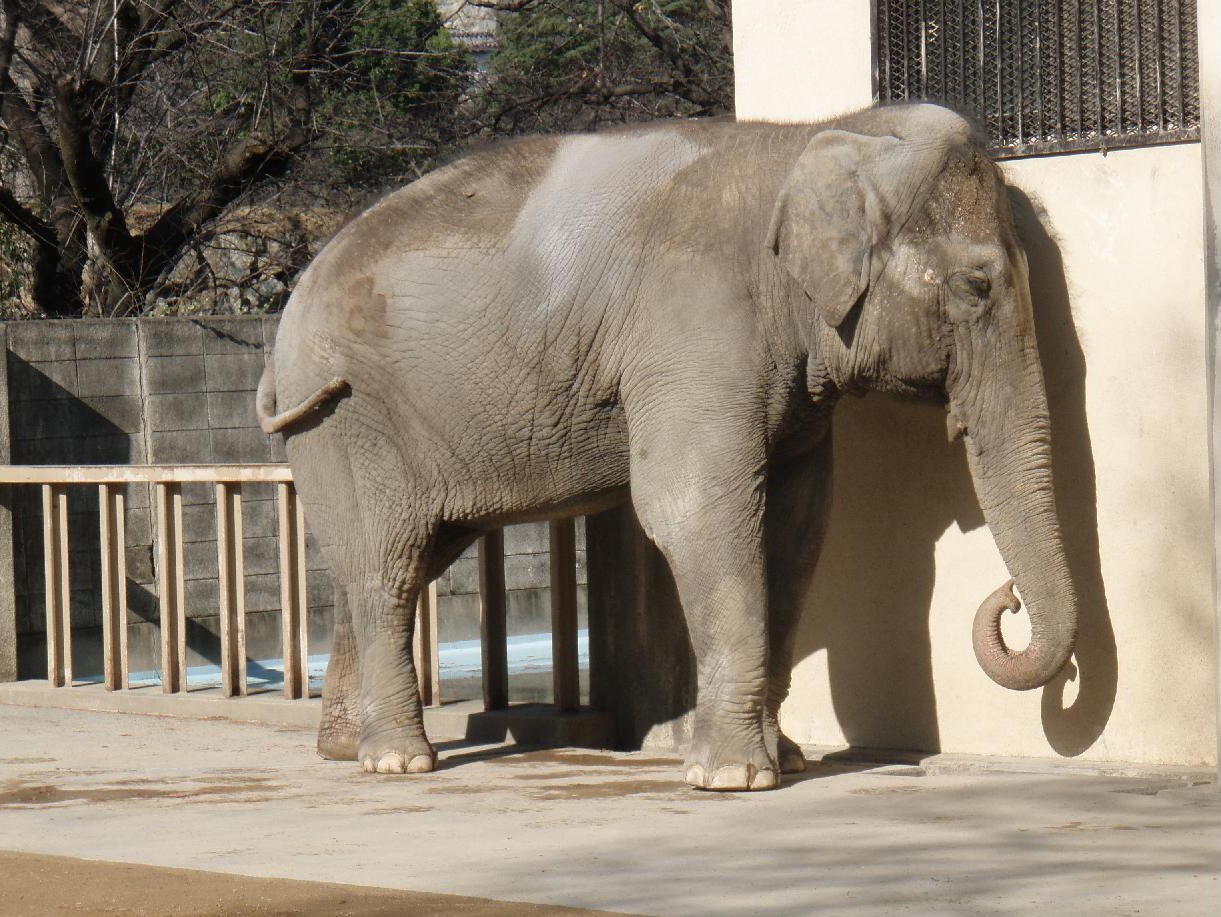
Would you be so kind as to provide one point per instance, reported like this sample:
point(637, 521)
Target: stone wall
point(165, 391)
point(527, 584)
point(159, 391)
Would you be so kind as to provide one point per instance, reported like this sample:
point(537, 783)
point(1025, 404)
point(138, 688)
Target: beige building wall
point(1117, 265)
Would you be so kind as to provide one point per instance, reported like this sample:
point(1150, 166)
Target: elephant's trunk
point(1008, 440)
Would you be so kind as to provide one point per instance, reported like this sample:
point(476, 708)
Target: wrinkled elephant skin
point(667, 315)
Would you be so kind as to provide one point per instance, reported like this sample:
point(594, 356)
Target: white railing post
point(111, 522)
point(171, 588)
point(59, 605)
point(232, 588)
point(293, 602)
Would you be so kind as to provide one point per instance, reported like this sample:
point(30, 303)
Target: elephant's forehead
point(966, 199)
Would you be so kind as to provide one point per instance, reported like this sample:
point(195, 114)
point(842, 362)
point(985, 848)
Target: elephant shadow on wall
point(898, 487)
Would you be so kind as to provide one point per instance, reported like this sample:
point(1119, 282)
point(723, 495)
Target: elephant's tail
point(265, 401)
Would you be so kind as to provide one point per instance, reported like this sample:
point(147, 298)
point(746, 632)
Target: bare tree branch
point(502, 6)
point(247, 162)
point(25, 219)
point(689, 87)
point(87, 177)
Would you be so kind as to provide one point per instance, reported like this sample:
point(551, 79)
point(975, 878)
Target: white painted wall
point(885, 649)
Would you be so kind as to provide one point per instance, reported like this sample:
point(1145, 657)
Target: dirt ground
point(51, 886)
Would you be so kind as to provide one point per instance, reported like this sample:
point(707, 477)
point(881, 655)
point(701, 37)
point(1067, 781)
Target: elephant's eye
point(973, 286)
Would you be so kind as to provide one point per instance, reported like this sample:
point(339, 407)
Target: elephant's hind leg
point(387, 567)
point(392, 738)
point(339, 727)
point(377, 532)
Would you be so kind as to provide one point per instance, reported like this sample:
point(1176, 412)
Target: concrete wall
point(147, 391)
point(884, 655)
point(527, 585)
point(1117, 265)
point(1209, 18)
point(178, 391)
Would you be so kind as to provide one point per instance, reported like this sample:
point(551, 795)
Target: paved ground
point(579, 829)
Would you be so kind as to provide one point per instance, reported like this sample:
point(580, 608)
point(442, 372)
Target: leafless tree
point(576, 64)
point(129, 126)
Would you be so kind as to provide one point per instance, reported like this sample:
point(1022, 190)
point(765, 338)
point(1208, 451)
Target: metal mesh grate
point(1048, 76)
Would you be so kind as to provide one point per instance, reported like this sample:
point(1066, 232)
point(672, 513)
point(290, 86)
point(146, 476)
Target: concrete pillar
point(1209, 21)
point(800, 61)
point(642, 670)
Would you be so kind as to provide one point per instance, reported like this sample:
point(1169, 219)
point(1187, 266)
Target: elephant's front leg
point(798, 503)
point(699, 496)
point(392, 738)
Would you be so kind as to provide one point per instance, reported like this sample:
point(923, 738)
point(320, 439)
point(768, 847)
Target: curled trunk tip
point(1018, 670)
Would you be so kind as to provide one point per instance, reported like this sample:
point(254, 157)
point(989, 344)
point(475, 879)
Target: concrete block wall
point(166, 391)
point(160, 391)
point(527, 584)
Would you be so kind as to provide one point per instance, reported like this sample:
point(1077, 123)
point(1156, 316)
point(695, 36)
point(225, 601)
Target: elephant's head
point(902, 241)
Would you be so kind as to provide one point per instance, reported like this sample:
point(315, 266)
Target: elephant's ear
point(836, 205)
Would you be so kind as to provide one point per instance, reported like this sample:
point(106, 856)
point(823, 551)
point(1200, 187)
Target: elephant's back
point(464, 275)
point(347, 298)
point(497, 239)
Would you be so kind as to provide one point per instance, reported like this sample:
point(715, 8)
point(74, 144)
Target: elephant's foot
point(405, 755)
point(339, 728)
point(792, 759)
point(338, 741)
point(727, 766)
point(732, 777)
point(788, 753)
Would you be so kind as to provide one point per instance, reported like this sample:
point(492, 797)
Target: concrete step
point(524, 724)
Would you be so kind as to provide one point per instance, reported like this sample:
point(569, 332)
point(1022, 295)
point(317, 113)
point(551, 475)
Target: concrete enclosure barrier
point(177, 391)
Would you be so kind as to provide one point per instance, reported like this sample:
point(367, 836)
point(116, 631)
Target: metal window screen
point(1048, 76)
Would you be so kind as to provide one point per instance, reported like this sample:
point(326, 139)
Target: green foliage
point(571, 64)
point(404, 53)
point(385, 78)
point(391, 99)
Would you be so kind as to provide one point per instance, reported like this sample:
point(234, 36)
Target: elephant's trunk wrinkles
point(1009, 452)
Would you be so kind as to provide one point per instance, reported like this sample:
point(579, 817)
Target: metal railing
point(227, 481)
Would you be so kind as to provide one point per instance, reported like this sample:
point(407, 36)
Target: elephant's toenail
point(391, 764)
point(765, 780)
point(420, 764)
point(696, 776)
point(732, 777)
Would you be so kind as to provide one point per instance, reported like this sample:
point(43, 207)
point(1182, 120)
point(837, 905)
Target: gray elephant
point(668, 315)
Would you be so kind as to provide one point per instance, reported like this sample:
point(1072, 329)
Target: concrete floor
point(613, 832)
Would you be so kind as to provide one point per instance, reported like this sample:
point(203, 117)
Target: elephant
point(663, 314)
